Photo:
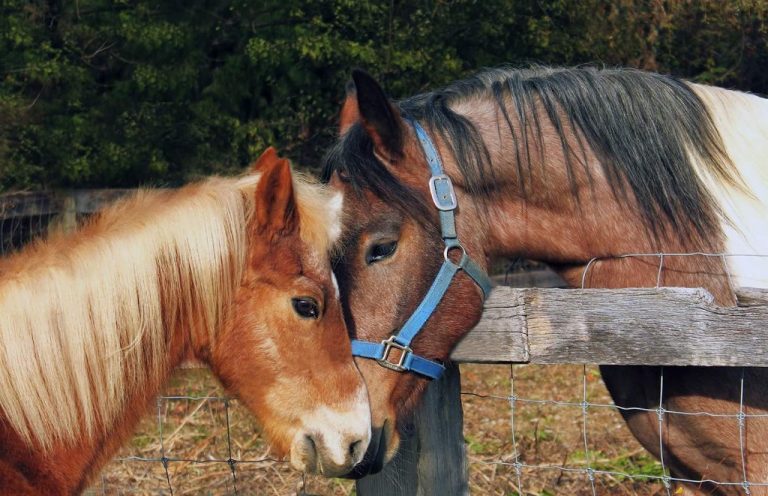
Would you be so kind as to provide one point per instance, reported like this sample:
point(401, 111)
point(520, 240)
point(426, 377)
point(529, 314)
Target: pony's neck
point(567, 219)
point(93, 325)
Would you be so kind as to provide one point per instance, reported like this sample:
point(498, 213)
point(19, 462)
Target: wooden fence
point(26, 215)
point(638, 326)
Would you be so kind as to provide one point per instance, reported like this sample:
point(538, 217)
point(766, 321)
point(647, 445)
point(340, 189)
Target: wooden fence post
point(65, 220)
point(433, 461)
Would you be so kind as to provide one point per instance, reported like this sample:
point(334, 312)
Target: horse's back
point(742, 121)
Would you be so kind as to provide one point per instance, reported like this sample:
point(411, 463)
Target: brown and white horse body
point(696, 447)
point(551, 174)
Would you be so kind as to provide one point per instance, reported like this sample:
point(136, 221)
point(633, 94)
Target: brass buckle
point(388, 345)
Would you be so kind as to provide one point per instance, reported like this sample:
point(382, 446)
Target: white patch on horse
point(335, 207)
point(335, 426)
point(742, 120)
point(335, 285)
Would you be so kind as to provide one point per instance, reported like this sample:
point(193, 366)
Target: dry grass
point(195, 437)
point(545, 434)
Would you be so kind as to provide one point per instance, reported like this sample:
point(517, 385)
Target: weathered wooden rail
point(37, 212)
point(36, 203)
point(636, 326)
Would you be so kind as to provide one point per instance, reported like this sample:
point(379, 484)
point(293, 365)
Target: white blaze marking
point(335, 207)
point(335, 284)
point(337, 427)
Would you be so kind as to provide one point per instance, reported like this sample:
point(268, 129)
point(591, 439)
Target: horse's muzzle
point(373, 460)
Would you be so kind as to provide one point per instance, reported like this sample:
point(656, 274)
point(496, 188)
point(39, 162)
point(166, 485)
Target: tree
point(125, 92)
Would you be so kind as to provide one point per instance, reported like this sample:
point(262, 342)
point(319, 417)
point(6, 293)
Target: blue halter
point(444, 198)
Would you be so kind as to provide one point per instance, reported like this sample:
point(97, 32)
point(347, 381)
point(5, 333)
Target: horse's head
point(285, 351)
point(392, 249)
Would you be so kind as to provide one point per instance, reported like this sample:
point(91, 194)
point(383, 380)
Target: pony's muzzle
point(329, 454)
point(332, 441)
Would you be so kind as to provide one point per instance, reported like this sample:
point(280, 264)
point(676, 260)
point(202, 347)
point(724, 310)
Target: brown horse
point(232, 272)
point(561, 166)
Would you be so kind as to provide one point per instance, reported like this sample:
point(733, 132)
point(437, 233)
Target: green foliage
point(125, 92)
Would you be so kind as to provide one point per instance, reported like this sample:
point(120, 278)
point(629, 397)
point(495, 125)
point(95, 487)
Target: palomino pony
point(232, 272)
point(561, 166)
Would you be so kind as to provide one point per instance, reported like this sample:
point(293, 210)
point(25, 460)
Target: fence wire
point(23, 218)
point(193, 447)
point(523, 462)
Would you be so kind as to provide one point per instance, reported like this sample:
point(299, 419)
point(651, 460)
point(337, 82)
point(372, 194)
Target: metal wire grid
point(587, 469)
point(18, 230)
point(166, 460)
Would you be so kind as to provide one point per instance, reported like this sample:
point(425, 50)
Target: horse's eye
point(306, 307)
point(380, 252)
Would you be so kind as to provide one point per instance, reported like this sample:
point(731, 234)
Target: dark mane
point(352, 156)
point(643, 127)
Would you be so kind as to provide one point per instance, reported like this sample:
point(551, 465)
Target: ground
point(548, 436)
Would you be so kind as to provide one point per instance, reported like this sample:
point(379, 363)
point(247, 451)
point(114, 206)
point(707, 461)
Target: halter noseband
point(444, 198)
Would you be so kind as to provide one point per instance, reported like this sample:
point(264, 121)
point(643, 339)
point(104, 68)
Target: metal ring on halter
point(455, 246)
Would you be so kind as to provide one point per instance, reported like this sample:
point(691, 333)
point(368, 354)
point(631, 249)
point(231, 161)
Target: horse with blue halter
point(233, 272)
point(563, 166)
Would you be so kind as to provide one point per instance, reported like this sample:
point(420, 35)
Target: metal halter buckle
point(388, 345)
point(443, 195)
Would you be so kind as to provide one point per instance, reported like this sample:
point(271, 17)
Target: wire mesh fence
point(582, 430)
point(201, 442)
point(23, 218)
point(206, 460)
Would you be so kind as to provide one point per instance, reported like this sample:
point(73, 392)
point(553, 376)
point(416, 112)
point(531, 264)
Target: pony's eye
point(380, 251)
point(306, 307)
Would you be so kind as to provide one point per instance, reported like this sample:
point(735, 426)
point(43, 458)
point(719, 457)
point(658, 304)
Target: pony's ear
point(269, 156)
point(378, 116)
point(350, 112)
point(275, 204)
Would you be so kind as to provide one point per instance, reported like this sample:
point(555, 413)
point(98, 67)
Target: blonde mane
point(87, 318)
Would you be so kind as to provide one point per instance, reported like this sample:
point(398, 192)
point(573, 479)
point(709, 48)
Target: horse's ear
point(379, 117)
point(275, 203)
point(350, 112)
point(267, 157)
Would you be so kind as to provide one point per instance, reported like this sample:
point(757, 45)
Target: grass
point(546, 435)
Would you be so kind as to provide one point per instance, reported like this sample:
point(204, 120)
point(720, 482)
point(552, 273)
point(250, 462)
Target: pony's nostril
point(309, 442)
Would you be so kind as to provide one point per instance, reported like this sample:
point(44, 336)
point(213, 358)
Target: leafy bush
point(125, 92)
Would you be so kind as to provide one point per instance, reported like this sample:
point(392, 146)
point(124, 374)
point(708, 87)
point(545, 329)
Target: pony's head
point(391, 250)
point(285, 351)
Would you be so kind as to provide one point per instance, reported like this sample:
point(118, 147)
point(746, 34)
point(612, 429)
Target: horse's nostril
point(354, 449)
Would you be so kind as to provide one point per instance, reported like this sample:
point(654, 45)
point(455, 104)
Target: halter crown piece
point(444, 198)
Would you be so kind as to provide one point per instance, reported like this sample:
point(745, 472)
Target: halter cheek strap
point(444, 198)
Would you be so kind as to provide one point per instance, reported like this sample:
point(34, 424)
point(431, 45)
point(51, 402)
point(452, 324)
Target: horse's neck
point(97, 452)
point(125, 310)
point(567, 221)
point(69, 467)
